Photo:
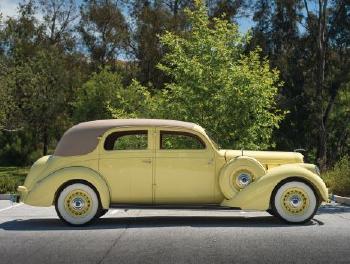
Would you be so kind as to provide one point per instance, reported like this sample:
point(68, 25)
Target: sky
point(9, 8)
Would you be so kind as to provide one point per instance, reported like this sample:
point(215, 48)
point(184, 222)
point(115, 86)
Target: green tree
point(104, 31)
point(153, 18)
point(103, 96)
point(39, 74)
point(277, 33)
point(59, 18)
point(309, 44)
point(228, 9)
point(217, 85)
point(39, 89)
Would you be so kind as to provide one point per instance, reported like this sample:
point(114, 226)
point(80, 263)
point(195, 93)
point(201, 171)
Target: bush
point(10, 178)
point(338, 178)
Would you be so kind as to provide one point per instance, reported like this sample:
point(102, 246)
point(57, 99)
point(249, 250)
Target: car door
point(184, 168)
point(126, 161)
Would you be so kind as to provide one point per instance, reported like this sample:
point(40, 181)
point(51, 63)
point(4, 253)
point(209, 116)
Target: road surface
point(35, 235)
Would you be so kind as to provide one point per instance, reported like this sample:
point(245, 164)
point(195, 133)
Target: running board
point(173, 206)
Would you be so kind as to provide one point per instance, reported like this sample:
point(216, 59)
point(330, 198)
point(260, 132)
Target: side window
point(180, 140)
point(126, 140)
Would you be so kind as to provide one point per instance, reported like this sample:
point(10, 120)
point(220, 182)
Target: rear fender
point(44, 191)
point(257, 195)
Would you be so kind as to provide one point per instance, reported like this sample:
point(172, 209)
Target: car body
point(167, 163)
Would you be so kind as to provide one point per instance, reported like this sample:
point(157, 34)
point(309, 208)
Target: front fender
point(43, 192)
point(256, 196)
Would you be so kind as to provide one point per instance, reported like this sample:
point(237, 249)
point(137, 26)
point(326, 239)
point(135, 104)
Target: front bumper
point(23, 192)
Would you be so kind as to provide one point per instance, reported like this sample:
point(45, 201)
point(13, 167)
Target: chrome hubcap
point(243, 180)
point(295, 201)
point(78, 203)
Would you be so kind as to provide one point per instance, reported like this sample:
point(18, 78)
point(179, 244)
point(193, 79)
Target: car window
point(127, 140)
point(180, 140)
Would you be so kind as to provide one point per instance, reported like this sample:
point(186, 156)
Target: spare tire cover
point(238, 168)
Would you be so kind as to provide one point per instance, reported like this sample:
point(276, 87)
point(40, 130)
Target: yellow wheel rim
point(295, 201)
point(78, 203)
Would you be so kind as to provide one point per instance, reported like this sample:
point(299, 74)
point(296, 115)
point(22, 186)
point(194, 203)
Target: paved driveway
point(36, 235)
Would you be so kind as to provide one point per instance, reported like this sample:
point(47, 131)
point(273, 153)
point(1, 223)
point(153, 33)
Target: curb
point(342, 200)
point(11, 197)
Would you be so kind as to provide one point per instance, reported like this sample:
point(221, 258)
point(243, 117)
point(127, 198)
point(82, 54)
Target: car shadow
point(53, 224)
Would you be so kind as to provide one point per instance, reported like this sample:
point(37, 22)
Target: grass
point(11, 177)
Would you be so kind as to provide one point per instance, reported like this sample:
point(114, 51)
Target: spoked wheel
point(77, 204)
point(295, 202)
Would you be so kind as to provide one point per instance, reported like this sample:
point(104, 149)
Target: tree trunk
point(45, 142)
point(321, 62)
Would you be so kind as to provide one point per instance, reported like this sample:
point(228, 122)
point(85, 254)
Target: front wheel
point(295, 202)
point(77, 204)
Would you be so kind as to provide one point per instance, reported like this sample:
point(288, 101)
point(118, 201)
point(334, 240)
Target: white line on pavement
point(112, 212)
point(12, 206)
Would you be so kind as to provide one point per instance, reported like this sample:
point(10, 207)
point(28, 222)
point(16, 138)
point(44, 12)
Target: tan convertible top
point(83, 138)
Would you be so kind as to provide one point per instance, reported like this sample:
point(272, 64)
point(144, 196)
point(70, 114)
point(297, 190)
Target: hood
point(268, 158)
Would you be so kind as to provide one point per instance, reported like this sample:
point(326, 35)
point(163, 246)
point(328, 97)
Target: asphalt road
point(36, 235)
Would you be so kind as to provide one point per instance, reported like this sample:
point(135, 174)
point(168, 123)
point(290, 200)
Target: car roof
point(83, 137)
point(134, 122)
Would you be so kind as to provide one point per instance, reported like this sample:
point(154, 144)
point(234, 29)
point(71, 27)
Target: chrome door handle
point(211, 161)
point(147, 161)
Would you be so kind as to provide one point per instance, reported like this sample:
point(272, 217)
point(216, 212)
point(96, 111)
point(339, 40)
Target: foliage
point(59, 17)
point(96, 94)
point(39, 89)
point(104, 96)
point(215, 77)
point(339, 139)
point(338, 178)
point(18, 148)
point(11, 178)
point(153, 18)
point(216, 85)
point(180, 141)
point(309, 43)
point(104, 30)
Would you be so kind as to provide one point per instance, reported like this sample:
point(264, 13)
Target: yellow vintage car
point(153, 163)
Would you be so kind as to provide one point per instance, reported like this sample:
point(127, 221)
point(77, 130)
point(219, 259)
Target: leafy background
point(284, 84)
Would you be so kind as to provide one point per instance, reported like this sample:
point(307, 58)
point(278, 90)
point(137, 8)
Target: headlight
point(317, 170)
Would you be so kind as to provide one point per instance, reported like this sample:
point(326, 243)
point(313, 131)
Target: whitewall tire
point(295, 202)
point(77, 204)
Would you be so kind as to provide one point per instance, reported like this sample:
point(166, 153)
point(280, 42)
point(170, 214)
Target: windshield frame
point(210, 137)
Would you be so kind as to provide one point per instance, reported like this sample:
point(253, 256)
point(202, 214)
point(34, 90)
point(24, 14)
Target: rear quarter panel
point(42, 185)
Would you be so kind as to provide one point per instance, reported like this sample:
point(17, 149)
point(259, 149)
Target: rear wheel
point(295, 202)
point(77, 204)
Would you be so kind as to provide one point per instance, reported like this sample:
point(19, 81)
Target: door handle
point(147, 161)
point(210, 161)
